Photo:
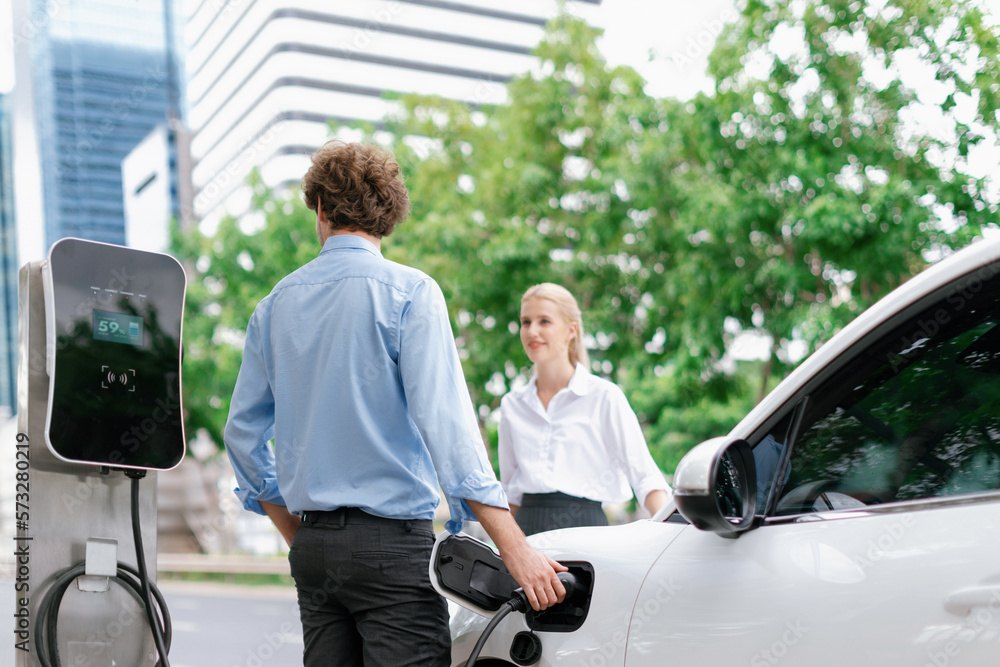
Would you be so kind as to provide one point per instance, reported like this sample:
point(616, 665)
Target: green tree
point(527, 192)
point(808, 192)
point(783, 204)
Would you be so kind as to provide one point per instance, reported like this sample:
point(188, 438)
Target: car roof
point(977, 256)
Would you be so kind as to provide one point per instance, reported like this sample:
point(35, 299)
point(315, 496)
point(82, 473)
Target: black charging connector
point(517, 602)
point(519, 599)
point(568, 580)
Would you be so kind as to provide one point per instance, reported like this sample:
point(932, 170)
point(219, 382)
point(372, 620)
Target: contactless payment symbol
point(111, 377)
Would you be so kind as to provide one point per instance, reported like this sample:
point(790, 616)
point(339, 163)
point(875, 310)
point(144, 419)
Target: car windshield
point(915, 415)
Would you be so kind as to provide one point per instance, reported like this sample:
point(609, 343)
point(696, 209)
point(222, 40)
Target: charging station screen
point(115, 381)
point(117, 327)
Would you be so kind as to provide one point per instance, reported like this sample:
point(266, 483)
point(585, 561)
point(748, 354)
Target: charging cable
point(162, 643)
point(46, 641)
point(518, 602)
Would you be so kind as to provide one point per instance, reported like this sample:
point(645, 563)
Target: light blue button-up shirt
point(350, 365)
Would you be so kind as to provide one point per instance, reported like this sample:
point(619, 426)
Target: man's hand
point(286, 522)
point(534, 572)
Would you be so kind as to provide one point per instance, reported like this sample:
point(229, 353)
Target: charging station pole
point(74, 507)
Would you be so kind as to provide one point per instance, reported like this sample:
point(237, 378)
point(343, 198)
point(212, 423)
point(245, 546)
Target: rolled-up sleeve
point(439, 404)
point(250, 427)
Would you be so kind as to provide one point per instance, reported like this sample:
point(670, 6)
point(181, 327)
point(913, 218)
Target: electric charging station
point(99, 408)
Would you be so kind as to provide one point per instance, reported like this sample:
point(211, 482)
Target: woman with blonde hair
point(569, 440)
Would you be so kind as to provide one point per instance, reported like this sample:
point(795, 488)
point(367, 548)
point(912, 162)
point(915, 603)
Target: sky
point(666, 41)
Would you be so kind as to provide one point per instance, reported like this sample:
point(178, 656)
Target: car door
point(878, 540)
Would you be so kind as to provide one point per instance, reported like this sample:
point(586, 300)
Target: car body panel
point(789, 591)
point(618, 576)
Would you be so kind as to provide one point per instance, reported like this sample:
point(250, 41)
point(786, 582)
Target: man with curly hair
point(351, 367)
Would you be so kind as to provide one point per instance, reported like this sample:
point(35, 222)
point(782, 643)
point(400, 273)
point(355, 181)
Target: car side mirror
point(715, 486)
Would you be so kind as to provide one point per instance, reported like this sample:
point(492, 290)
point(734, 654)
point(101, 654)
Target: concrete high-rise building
point(265, 77)
point(147, 189)
point(92, 79)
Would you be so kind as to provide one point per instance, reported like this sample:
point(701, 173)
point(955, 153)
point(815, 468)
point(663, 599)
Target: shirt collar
point(349, 241)
point(579, 384)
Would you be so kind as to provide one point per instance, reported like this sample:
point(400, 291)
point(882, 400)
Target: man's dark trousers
point(364, 595)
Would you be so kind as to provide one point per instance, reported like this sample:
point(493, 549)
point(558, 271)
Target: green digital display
point(117, 328)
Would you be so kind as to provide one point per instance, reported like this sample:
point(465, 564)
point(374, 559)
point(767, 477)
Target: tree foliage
point(783, 205)
point(229, 272)
point(829, 192)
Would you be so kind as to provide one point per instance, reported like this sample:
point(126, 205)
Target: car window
point(916, 415)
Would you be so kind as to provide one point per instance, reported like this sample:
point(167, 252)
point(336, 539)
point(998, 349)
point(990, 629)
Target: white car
point(852, 518)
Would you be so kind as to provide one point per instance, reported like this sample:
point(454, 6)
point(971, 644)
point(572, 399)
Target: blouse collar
point(579, 384)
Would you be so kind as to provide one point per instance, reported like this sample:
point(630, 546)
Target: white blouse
point(587, 444)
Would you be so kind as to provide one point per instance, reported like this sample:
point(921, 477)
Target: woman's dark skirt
point(549, 511)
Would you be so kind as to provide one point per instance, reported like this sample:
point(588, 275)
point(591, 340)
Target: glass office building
point(98, 75)
point(8, 266)
point(92, 79)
